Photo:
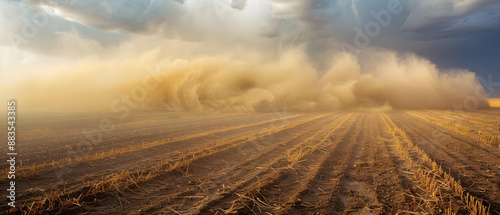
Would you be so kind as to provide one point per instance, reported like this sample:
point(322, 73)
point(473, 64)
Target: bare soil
point(255, 163)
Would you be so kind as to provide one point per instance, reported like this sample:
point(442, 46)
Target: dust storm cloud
point(376, 79)
point(379, 80)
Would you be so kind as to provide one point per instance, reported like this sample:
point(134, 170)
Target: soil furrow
point(294, 191)
point(130, 160)
point(350, 197)
point(218, 173)
point(391, 184)
point(475, 171)
point(197, 154)
point(241, 198)
point(441, 133)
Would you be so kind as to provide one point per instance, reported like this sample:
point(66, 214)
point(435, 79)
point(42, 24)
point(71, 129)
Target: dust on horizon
point(376, 80)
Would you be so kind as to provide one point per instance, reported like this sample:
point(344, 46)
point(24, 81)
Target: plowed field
point(400, 162)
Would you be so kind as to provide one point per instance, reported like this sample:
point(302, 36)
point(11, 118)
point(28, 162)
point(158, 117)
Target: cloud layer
point(108, 22)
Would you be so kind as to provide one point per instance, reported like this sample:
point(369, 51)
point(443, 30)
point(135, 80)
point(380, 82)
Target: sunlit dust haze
point(228, 56)
point(149, 81)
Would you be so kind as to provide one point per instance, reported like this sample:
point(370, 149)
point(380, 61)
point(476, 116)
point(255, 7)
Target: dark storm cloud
point(420, 19)
point(239, 4)
point(452, 33)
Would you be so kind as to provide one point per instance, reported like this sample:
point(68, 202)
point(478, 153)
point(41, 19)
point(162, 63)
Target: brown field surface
point(398, 162)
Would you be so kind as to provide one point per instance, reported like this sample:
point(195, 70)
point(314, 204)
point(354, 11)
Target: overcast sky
point(463, 34)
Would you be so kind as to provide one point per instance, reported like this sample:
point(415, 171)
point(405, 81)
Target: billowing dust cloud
point(380, 80)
